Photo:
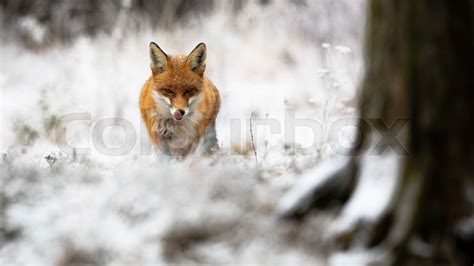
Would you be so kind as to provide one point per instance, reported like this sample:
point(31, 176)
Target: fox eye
point(167, 91)
point(189, 90)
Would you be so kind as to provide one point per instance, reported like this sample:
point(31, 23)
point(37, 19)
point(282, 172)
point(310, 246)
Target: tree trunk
point(419, 66)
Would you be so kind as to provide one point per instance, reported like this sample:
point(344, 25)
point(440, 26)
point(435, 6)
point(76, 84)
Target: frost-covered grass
point(141, 211)
point(137, 208)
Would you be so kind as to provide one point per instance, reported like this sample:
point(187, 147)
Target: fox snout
point(179, 107)
point(179, 113)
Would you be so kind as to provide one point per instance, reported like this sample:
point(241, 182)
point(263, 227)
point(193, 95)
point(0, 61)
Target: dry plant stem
point(251, 137)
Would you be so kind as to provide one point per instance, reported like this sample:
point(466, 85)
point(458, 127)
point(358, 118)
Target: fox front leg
point(164, 128)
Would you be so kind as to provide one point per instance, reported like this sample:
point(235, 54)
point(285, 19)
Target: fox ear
point(158, 59)
point(197, 59)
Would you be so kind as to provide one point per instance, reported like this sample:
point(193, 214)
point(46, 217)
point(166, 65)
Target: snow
point(299, 197)
point(140, 208)
point(378, 179)
point(33, 27)
point(343, 49)
point(360, 257)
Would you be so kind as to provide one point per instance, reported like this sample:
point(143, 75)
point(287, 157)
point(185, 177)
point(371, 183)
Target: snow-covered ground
point(123, 204)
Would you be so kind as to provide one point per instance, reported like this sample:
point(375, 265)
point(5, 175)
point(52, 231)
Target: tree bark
point(420, 66)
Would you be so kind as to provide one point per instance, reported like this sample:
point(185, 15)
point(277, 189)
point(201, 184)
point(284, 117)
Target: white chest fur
point(180, 138)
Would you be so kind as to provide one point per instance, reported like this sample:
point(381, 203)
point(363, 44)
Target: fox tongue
point(177, 115)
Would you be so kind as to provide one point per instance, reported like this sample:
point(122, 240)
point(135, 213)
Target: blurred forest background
point(42, 23)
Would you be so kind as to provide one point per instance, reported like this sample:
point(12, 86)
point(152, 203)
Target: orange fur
point(184, 77)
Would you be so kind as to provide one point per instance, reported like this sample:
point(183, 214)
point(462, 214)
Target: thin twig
point(251, 137)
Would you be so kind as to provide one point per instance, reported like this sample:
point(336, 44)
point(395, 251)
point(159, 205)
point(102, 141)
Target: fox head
point(178, 80)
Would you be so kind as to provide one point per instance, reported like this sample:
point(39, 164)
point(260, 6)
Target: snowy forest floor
point(138, 208)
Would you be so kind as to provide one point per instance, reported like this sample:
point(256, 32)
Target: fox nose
point(178, 114)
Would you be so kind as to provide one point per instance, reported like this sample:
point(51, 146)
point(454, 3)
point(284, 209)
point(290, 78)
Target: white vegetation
point(300, 197)
point(378, 177)
point(138, 208)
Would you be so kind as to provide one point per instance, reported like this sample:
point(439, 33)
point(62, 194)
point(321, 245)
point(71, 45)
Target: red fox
point(178, 104)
